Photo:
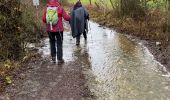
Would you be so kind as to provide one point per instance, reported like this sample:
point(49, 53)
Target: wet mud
point(46, 81)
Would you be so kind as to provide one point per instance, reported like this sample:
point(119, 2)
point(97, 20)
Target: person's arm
point(87, 17)
point(86, 14)
point(66, 16)
point(44, 16)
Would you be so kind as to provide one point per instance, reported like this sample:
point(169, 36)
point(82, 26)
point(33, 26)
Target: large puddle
point(115, 67)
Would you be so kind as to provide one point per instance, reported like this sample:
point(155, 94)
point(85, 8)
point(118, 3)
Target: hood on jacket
point(53, 3)
point(77, 5)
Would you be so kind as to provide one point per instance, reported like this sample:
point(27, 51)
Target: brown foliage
point(149, 27)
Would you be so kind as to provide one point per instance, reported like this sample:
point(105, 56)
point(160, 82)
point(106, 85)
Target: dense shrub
point(10, 41)
point(17, 28)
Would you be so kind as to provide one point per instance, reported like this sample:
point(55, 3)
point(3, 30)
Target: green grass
point(84, 2)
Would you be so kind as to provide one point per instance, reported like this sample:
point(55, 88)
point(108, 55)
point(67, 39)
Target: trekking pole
point(90, 31)
point(89, 25)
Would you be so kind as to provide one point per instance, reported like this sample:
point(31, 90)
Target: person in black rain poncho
point(79, 22)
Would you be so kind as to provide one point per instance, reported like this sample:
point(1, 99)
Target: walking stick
point(90, 31)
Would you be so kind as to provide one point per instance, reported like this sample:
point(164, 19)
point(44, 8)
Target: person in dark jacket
point(79, 23)
point(56, 33)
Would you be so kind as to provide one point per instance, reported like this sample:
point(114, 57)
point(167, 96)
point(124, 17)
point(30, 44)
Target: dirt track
point(45, 81)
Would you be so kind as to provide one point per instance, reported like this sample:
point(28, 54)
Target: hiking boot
point(77, 43)
point(61, 61)
point(54, 59)
point(85, 39)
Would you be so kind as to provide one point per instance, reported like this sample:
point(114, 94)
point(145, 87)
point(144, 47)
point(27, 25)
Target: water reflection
point(117, 68)
point(123, 69)
point(81, 55)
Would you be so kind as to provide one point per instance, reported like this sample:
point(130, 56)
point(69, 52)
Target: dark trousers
point(78, 37)
point(56, 38)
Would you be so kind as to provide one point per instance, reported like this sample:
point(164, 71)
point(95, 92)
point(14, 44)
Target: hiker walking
point(79, 25)
point(53, 15)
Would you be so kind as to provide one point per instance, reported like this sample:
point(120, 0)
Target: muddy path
point(46, 81)
point(109, 66)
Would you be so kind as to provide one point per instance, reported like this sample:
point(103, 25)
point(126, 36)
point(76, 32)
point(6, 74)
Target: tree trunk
point(90, 2)
point(112, 4)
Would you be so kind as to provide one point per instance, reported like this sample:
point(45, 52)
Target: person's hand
point(67, 12)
